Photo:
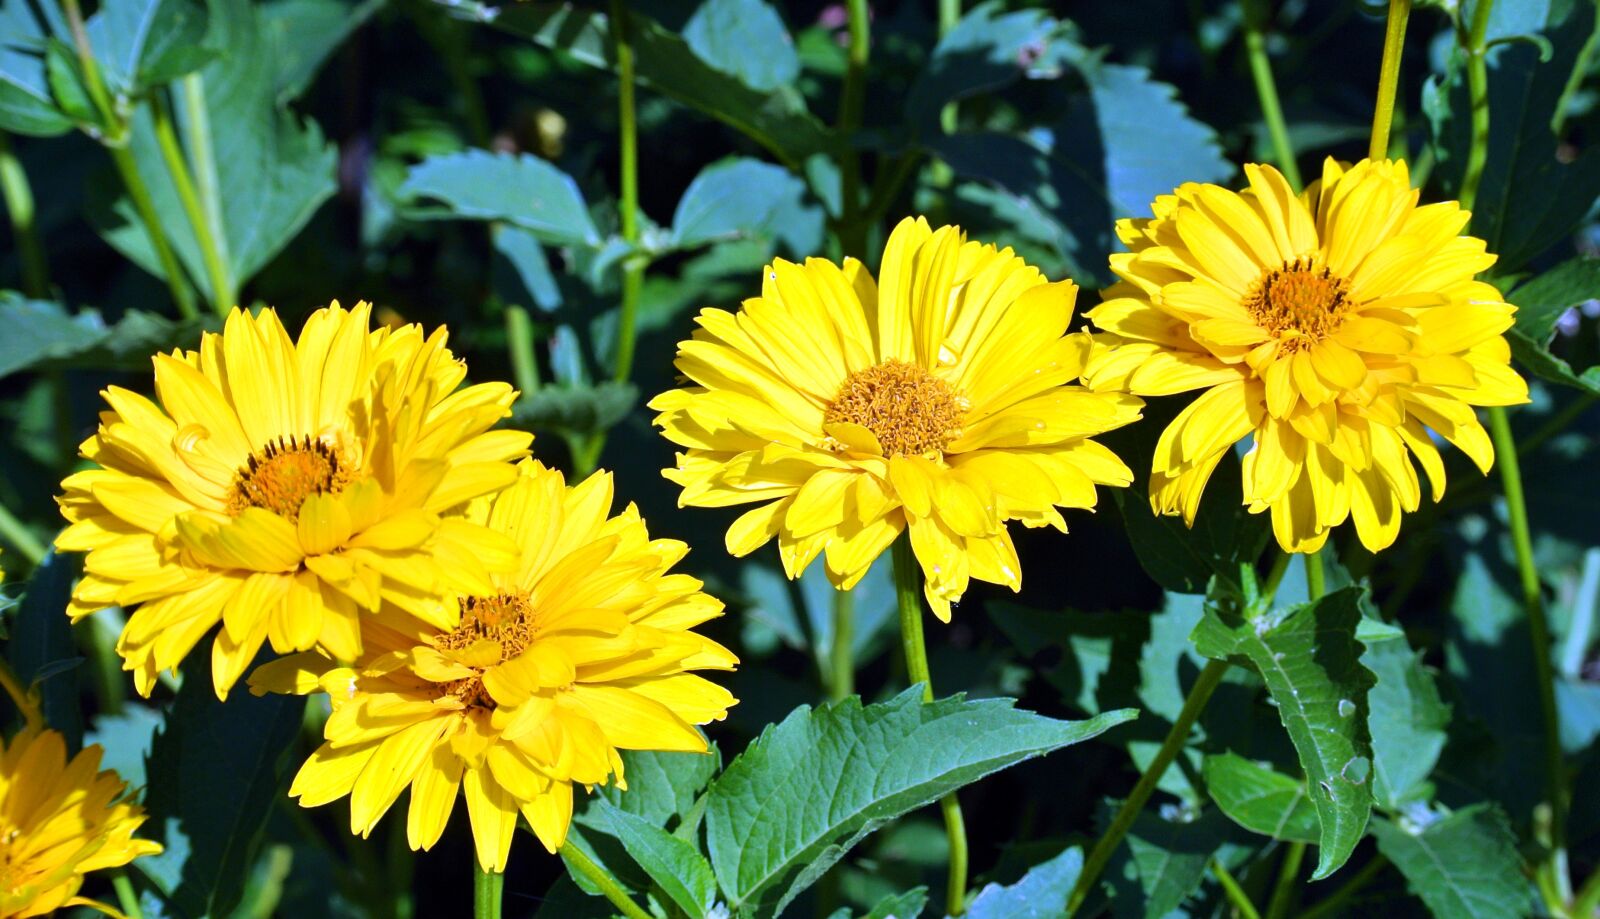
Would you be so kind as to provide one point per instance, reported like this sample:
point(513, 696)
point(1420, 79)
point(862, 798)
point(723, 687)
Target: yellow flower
point(941, 400)
point(59, 820)
point(1339, 329)
point(532, 685)
point(282, 486)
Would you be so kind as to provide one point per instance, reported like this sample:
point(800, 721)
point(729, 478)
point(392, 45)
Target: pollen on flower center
point(282, 476)
point(909, 410)
point(506, 618)
point(1299, 302)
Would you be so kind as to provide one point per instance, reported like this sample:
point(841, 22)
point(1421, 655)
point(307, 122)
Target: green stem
point(15, 533)
point(1476, 48)
point(578, 861)
point(1316, 579)
point(1580, 69)
point(1232, 890)
point(487, 887)
point(519, 341)
point(908, 591)
point(1394, 40)
point(1505, 449)
point(1335, 903)
point(223, 296)
point(19, 207)
point(197, 137)
point(1280, 567)
point(1106, 846)
point(1588, 897)
point(841, 663)
point(126, 895)
point(1557, 423)
point(1255, 43)
point(1288, 875)
point(852, 101)
point(633, 265)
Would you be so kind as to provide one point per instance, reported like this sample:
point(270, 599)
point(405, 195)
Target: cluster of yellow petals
point(1340, 329)
point(581, 649)
point(942, 400)
point(60, 819)
point(280, 486)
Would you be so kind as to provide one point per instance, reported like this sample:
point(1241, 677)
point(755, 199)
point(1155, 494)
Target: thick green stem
point(1394, 40)
point(1235, 894)
point(841, 661)
point(1106, 846)
point(1255, 43)
point(852, 101)
point(1580, 69)
point(1476, 48)
point(19, 537)
point(1505, 449)
point(633, 265)
point(487, 887)
point(519, 342)
point(1316, 580)
point(1288, 878)
point(126, 895)
point(19, 207)
point(908, 590)
point(594, 874)
point(223, 296)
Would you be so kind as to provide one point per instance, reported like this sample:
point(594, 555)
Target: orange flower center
point(506, 618)
point(1299, 302)
point(909, 410)
point(282, 476)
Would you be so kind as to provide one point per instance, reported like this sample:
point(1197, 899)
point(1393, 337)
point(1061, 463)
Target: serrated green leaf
point(1310, 660)
point(215, 772)
point(577, 408)
point(736, 198)
point(41, 650)
point(1407, 720)
point(41, 333)
point(141, 44)
point(987, 48)
point(1540, 303)
point(661, 786)
point(813, 786)
point(522, 190)
point(26, 105)
point(1261, 799)
point(1041, 894)
point(674, 865)
point(1171, 855)
point(1464, 865)
point(304, 34)
point(745, 39)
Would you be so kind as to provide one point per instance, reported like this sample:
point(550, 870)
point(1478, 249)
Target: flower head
point(281, 486)
point(1340, 329)
point(941, 399)
point(59, 820)
point(530, 685)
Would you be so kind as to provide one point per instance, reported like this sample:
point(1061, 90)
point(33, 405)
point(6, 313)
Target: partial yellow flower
point(281, 486)
point(59, 820)
point(531, 685)
point(1339, 329)
point(942, 401)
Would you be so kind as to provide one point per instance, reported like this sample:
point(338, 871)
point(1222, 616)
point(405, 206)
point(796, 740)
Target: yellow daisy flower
point(280, 486)
point(1340, 329)
point(532, 685)
point(59, 820)
point(942, 401)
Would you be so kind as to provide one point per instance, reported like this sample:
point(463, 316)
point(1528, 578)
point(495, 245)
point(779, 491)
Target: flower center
point(282, 476)
point(910, 411)
point(1299, 302)
point(506, 618)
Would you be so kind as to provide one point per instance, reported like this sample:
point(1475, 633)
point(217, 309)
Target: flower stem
point(596, 875)
point(19, 205)
point(1316, 579)
point(633, 265)
point(223, 295)
point(1505, 449)
point(1478, 91)
point(1335, 903)
point(20, 537)
point(486, 889)
point(909, 593)
point(1255, 43)
point(841, 663)
point(1231, 889)
point(1394, 41)
point(1204, 685)
point(1288, 874)
point(127, 897)
point(1580, 69)
point(519, 341)
point(852, 101)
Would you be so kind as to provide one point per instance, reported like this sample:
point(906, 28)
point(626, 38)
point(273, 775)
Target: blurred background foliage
point(459, 163)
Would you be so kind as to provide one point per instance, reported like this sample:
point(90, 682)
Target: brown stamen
point(282, 476)
point(506, 618)
point(910, 411)
point(1299, 298)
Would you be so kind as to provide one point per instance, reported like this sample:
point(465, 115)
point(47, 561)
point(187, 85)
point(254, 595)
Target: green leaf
point(1464, 865)
point(661, 785)
point(43, 334)
point(215, 772)
point(1041, 894)
point(522, 190)
point(41, 650)
point(736, 198)
point(987, 49)
point(304, 33)
point(67, 85)
point(141, 44)
point(1260, 799)
point(673, 864)
point(126, 739)
point(777, 118)
point(1171, 856)
point(813, 786)
point(745, 39)
point(1540, 303)
point(1310, 660)
point(908, 905)
point(1407, 720)
point(1184, 559)
point(577, 408)
point(26, 105)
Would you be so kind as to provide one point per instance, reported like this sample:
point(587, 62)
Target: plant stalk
point(127, 897)
point(1394, 40)
point(597, 876)
point(223, 295)
point(1478, 91)
point(1580, 69)
point(908, 590)
point(1235, 894)
point(1334, 905)
point(19, 207)
point(13, 531)
point(633, 265)
point(852, 102)
point(519, 342)
point(487, 887)
point(1288, 875)
point(1255, 43)
point(841, 662)
point(1316, 579)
